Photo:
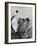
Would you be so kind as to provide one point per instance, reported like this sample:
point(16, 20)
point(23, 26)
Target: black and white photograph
point(21, 22)
point(20, 18)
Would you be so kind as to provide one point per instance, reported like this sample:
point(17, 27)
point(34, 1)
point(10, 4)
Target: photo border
point(6, 21)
